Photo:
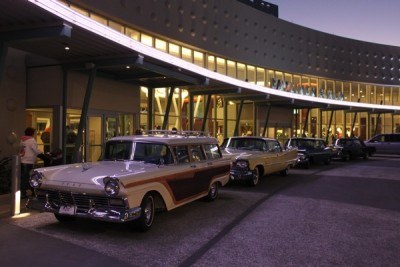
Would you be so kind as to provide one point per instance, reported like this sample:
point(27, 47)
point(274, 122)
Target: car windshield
point(137, 151)
point(303, 143)
point(245, 143)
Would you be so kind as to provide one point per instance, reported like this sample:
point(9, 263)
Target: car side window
point(396, 138)
point(212, 151)
point(181, 154)
point(197, 153)
point(273, 146)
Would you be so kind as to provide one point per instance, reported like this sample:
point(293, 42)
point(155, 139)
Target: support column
point(168, 108)
point(305, 123)
point(85, 108)
point(236, 132)
point(64, 115)
point(266, 120)
point(207, 109)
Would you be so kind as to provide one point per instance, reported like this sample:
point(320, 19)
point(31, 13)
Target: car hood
point(233, 152)
point(92, 173)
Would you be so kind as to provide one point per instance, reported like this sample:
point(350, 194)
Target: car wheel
point(284, 172)
point(64, 218)
point(146, 218)
point(366, 155)
point(213, 192)
point(255, 178)
point(327, 161)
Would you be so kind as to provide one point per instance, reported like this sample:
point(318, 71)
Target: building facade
point(226, 37)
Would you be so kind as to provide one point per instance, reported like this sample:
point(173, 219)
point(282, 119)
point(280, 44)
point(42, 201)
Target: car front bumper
point(236, 175)
point(84, 209)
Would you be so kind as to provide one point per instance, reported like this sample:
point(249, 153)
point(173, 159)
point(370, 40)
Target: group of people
point(29, 151)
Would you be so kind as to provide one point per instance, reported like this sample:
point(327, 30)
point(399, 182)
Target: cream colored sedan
point(253, 157)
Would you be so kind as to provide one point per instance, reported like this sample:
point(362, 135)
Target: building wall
point(237, 31)
point(12, 99)
point(106, 94)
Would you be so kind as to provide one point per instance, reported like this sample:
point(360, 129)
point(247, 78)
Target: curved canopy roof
point(44, 28)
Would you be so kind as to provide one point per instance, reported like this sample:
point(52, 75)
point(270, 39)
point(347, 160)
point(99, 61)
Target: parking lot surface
point(342, 214)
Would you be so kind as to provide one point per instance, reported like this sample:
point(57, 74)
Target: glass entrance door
point(94, 138)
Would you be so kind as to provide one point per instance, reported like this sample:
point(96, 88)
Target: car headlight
point(36, 179)
point(302, 156)
point(111, 186)
point(242, 164)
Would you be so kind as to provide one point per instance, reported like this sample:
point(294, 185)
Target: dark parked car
point(349, 148)
point(310, 150)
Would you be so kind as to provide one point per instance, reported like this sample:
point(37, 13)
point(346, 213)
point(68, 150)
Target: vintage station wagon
point(136, 176)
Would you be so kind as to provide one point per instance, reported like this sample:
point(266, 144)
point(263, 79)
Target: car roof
point(252, 137)
point(306, 138)
point(169, 138)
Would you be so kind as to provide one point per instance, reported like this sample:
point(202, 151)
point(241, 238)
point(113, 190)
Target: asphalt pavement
point(343, 214)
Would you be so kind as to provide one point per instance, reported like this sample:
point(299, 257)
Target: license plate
point(69, 210)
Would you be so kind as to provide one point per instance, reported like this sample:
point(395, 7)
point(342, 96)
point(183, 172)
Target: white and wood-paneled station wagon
point(135, 176)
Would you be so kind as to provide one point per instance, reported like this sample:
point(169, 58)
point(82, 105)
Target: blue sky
point(372, 21)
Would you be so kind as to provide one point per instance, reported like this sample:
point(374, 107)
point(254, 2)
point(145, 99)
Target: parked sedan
point(310, 150)
point(136, 176)
point(349, 148)
point(385, 143)
point(253, 157)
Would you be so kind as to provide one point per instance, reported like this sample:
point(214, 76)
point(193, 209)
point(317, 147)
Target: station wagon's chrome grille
point(83, 202)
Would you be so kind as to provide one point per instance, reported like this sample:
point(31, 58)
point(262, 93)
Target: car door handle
point(193, 166)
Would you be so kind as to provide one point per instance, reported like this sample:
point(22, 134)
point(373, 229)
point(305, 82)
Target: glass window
point(197, 153)
point(116, 26)
point(271, 78)
point(161, 45)
point(98, 18)
point(135, 35)
point(212, 151)
point(80, 10)
point(379, 95)
point(395, 96)
point(221, 65)
point(362, 91)
point(231, 68)
point(187, 54)
point(146, 39)
point(198, 58)
point(386, 97)
point(346, 90)
point(355, 93)
point(211, 63)
point(296, 83)
point(312, 88)
point(241, 71)
point(118, 150)
point(174, 50)
point(260, 76)
point(279, 80)
point(181, 154)
point(305, 85)
point(251, 74)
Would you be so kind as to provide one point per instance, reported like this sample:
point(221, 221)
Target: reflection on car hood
point(226, 152)
point(89, 173)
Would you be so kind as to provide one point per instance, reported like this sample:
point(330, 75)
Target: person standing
point(28, 153)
